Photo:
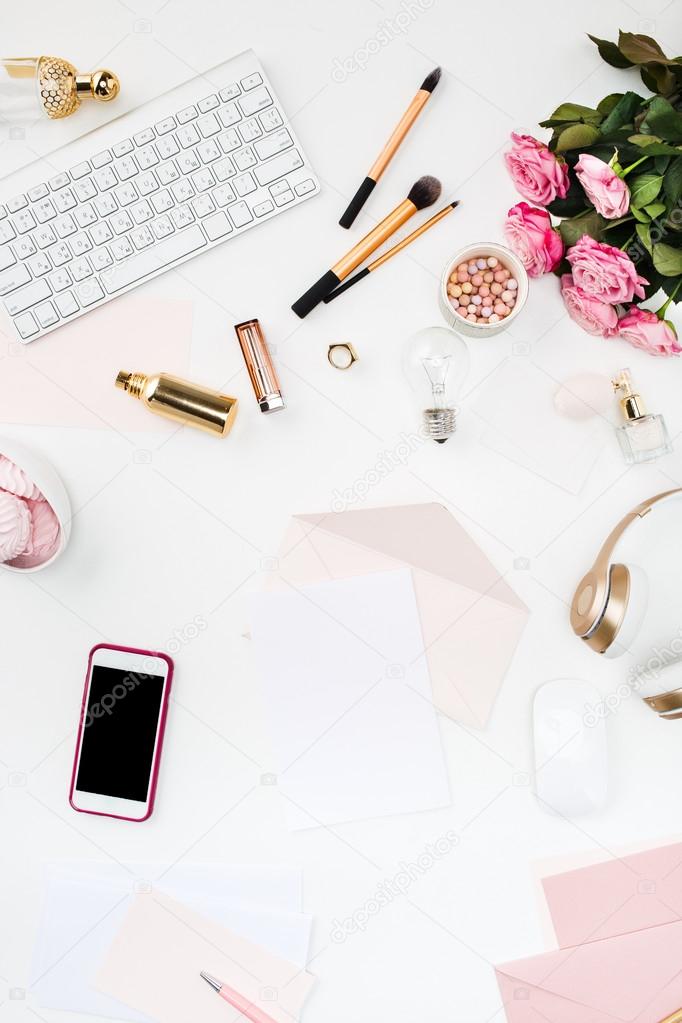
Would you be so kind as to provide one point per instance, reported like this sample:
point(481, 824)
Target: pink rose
point(643, 329)
point(593, 315)
point(530, 234)
point(604, 272)
point(536, 172)
point(608, 193)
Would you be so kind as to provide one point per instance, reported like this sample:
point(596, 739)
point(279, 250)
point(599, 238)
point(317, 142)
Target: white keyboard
point(146, 192)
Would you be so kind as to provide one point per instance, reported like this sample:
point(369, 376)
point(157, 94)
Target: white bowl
point(511, 261)
point(40, 472)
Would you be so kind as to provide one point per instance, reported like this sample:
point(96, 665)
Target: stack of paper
point(619, 929)
point(88, 906)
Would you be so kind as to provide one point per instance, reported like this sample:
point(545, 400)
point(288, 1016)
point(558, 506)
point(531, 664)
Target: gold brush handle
point(372, 241)
point(675, 1017)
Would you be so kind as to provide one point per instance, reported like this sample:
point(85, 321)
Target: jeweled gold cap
point(61, 88)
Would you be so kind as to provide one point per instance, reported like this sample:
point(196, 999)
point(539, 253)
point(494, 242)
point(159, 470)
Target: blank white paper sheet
point(348, 698)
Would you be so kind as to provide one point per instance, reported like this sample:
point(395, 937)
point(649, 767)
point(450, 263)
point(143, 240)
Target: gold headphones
point(611, 599)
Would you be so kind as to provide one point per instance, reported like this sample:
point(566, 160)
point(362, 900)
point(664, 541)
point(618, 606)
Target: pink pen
point(238, 1001)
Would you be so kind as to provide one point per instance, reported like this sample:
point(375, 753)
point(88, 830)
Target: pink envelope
point(633, 978)
point(471, 618)
point(629, 893)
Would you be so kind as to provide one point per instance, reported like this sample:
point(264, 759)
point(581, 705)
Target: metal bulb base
point(440, 423)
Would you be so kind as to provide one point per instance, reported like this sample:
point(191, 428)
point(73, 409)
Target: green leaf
point(623, 113)
point(672, 181)
point(662, 119)
point(577, 136)
point(654, 148)
point(609, 102)
point(643, 190)
point(609, 52)
point(655, 209)
point(611, 224)
point(639, 215)
point(644, 235)
point(658, 79)
point(667, 260)
point(640, 49)
point(661, 164)
point(574, 112)
point(587, 223)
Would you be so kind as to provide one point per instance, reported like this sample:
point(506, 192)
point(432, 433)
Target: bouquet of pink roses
point(612, 177)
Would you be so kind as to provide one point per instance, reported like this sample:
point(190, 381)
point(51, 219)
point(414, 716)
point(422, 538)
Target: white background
point(164, 532)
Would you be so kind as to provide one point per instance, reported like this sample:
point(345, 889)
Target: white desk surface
point(164, 532)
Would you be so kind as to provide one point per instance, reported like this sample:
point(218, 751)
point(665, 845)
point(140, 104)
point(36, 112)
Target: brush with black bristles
point(385, 256)
point(423, 193)
point(388, 152)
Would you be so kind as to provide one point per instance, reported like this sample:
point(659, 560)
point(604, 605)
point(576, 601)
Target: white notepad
point(349, 702)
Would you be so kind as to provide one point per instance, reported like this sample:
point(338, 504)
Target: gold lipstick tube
point(182, 401)
point(261, 371)
point(399, 133)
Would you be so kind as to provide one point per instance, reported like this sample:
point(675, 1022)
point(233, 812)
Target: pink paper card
point(155, 960)
point(67, 378)
point(618, 896)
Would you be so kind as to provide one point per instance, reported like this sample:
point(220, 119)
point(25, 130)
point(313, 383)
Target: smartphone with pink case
point(120, 734)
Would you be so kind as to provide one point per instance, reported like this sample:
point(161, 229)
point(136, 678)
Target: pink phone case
point(162, 729)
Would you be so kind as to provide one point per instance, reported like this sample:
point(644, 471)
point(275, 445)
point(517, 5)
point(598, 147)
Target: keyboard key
point(250, 130)
point(3, 212)
point(229, 140)
point(144, 137)
point(208, 151)
point(105, 178)
point(60, 280)
point(284, 197)
point(121, 222)
point(64, 200)
point(125, 194)
point(7, 258)
point(262, 208)
point(203, 205)
point(39, 192)
point(162, 227)
point(208, 125)
point(66, 304)
point(58, 181)
point(39, 265)
point(182, 190)
point(61, 254)
point(24, 247)
point(245, 158)
point(85, 215)
point(280, 165)
point(187, 136)
point(84, 189)
point(126, 168)
point(168, 172)
point(123, 148)
point(44, 210)
point(19, 202)
point(80, 170)
point(201, 181)
point(217, 226)
point(256, 100)
point(46, 315)
point(100, 259)
point(188, 162)
point(27, 296)
point(141, 212)
point(26, 325)
point(167, 147)
point(162, 201)
point(7, 232)
point(89, 292)
point(275, 143)
point(244, 184)
point(163, 127)
point(270, 119)
point(146, 157)
point(80, 269)
point(240, 214)
point(101, 159)
point(209, 103)
point(101, 233)
point(230, 92)
point(23, 221)
point(121, 248)
point(80, 243)
point(223, 195)
point(147, 183)
point(182, 216)
point(153, 259)
point(14, 278)
point(188, 114)
point(229, 115)
point(65, 226)
point(251, 81)
point(305, 186)
point(224, 169)
point(106, 204)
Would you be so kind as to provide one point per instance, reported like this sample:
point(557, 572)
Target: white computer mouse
point(571, 760)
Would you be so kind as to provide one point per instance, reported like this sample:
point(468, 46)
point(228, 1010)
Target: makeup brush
point(385, 256)
point(388, 152)
point(423, 193)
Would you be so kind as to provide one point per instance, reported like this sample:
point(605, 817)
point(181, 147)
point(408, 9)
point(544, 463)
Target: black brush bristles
point(432, 80)
point(424, 192)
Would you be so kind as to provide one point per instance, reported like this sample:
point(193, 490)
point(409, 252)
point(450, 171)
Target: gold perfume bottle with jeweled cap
point(54, 82)
point(643, 437)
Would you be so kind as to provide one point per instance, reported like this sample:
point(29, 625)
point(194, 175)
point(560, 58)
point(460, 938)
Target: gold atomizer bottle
point(181, 400)
point(58, 85)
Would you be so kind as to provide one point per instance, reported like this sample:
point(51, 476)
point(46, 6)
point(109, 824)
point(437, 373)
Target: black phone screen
point(119, 733)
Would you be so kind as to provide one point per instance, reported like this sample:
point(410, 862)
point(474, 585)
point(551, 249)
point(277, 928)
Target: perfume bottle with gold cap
point(181, 400)
point(54, 83)
point(643, 437)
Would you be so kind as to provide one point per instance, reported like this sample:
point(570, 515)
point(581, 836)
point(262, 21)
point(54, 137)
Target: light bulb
point(436, 363)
